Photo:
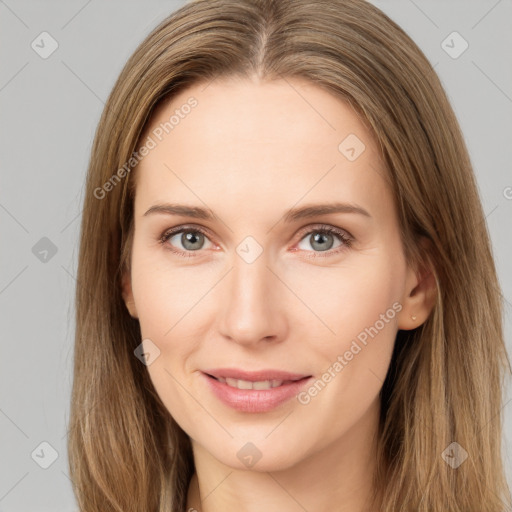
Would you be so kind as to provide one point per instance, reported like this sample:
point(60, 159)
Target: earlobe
point(128, 295)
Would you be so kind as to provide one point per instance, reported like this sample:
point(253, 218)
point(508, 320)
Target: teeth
point(246, 384)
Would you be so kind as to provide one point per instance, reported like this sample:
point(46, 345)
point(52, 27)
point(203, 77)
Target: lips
point(258, 391)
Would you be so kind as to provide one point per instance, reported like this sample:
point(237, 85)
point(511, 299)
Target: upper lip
point(257, 376)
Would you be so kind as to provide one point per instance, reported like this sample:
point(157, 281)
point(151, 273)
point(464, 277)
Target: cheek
point(170, 305)
point(360, 305)
point(347, 298)
point(166, 313)
point(165, 294)
point(359, 301)
point(170, 311)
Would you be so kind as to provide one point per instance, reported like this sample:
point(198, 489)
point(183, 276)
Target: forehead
point(259, 142)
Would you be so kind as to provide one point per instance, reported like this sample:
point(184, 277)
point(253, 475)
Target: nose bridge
point(252, 310)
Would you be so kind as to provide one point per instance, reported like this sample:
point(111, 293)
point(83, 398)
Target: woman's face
point(259, 293)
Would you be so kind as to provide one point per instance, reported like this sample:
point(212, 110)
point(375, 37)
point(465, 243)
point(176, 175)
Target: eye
point(322, 239)
point(191, 239)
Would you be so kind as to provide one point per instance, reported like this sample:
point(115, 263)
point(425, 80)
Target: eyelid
point(346, 240)
point(168, 233)
point(184, 227)
point(324, 227)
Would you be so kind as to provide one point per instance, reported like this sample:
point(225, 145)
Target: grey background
point(49, 112)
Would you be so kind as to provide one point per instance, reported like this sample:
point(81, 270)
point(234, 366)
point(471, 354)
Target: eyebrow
point(291, 215)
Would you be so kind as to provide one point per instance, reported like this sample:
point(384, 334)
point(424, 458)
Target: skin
point(249, 151)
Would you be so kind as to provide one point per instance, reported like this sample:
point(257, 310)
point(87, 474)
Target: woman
point(280, 221)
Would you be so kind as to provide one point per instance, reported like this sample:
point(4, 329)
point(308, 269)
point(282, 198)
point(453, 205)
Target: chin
point(259, 456)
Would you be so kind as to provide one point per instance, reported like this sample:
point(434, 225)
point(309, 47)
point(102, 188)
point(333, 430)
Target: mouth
point(254, 392)
point(259, 384)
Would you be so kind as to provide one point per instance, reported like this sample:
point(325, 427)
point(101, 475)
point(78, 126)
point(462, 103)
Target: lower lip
point(255, 400)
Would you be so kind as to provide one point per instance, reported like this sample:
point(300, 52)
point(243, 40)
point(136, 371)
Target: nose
point(252, 309)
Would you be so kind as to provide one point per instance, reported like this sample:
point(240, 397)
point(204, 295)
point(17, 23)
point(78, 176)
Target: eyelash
point(345, 239)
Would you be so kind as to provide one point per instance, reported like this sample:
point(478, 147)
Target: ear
point(420, 293)
point(127, 293)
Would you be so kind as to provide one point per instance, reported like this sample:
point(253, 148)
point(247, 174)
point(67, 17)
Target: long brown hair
point(445, 381)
